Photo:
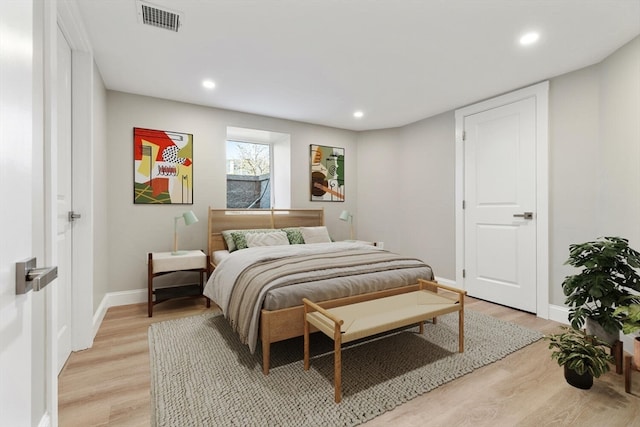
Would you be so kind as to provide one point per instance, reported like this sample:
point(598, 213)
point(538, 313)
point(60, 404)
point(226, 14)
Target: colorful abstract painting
point(327, 173)
point(163, 167)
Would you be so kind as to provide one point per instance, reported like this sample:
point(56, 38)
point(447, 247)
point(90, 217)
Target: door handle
point(525, 215)
point(73, 216)
point(29, 277)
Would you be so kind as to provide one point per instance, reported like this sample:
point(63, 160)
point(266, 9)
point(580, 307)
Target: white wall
point(573, 168)
point(595, 157)
point(619, 190)
point(135, 230)
point(378, 167)
point(619, 196)
point(406, 190)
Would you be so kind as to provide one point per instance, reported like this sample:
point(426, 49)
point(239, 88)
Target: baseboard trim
point(45, 421)
point(114, 299)
point(627, 342)
point(98, 316)
point(444, 281)
point(559, 313)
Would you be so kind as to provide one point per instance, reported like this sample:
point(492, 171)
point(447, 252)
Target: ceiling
point(318, 61)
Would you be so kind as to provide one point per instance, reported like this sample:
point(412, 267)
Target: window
point(258, 169)
point(248, 175)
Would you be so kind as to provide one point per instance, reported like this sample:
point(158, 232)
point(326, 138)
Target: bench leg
point(306, 343)
point(337, 364)
point(461, 331)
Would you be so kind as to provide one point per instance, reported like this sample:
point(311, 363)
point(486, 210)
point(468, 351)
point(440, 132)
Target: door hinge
point(464, 204)
point(464, 273)
point(464, 135)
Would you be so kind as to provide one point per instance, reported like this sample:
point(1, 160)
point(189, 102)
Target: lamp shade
point(345, 215)
point(189, 218)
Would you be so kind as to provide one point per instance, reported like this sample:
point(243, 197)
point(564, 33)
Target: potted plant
point(630, 315)
point(582, 356)
point(608, 274)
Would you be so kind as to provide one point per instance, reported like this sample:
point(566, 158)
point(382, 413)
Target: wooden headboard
point(242, 219)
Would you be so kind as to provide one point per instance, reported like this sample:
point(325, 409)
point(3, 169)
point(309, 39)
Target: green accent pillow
point(294, 235)
point(228, 238)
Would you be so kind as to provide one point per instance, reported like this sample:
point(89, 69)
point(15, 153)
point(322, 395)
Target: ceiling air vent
point(157, 16)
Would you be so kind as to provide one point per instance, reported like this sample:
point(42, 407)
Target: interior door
point(64, 202)
point(16, 214)
point(500, 204)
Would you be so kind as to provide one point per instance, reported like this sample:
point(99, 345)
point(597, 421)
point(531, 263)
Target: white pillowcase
point(276, 238)
point(315, 234)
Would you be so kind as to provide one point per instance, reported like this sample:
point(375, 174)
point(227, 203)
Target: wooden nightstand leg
point(616, 351)
point(150, 285)
point(208, 271)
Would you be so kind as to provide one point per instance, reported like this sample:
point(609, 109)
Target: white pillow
point(266, 239)
point(315, 234)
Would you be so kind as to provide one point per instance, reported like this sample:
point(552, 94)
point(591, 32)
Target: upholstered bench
point(360, 320)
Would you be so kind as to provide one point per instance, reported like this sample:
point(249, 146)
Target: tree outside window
point(248, 175)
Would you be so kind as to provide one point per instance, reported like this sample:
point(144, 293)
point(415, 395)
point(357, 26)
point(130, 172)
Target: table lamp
point(189, 218)
point(347, 216)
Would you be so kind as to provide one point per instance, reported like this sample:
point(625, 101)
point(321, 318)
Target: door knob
point(29, 277)
point(525, 215)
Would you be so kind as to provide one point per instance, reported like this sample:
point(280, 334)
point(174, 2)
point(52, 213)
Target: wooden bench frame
point(320, 317)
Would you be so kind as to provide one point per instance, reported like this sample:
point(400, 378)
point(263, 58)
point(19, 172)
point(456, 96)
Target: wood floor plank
point(109, 384)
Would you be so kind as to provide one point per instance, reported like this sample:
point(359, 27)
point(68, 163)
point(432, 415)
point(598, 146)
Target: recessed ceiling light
point(209, 84)
point(358, 114)
point(529, 38)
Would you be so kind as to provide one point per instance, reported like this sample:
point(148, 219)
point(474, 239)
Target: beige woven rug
point(202, 376)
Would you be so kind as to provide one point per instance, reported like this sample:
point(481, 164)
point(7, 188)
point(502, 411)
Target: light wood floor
point(108, 385)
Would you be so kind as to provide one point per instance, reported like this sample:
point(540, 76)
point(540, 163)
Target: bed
point(259, 286)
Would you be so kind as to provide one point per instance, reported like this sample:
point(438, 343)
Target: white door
point(16, 150)
point(64, 202)
point(500, 204)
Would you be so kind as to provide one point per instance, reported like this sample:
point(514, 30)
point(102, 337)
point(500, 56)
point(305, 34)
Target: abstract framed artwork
point(163, 167)
point(327, 174)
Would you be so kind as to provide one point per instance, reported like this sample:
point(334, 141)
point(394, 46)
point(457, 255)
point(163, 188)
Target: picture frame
point(163, 167)
point(327, 178)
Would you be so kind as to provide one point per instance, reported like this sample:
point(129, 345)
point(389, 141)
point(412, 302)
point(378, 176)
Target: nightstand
point(160, 263)
point(364, 242)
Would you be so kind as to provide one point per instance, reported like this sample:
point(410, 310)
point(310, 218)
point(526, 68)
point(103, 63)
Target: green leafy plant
point(608, 274)
point(630, 317)
point(580, 352)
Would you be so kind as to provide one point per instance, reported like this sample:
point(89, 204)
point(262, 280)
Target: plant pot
point(584, 381)
point(636, 352)
point(594, 328)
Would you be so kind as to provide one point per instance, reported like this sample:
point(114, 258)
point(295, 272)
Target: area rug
point(202, 376)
